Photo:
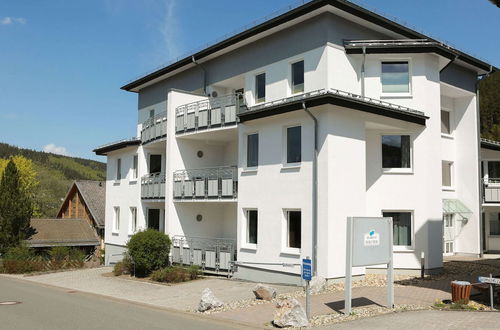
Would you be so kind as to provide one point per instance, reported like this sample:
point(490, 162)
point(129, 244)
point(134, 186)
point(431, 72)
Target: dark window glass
point(260, 87)
point(494, 223)
point(493, 170)
point(293, 144)
point(445, 122)
point(154, 219)
point(446, 173)
point(298, 77)
point(252, 227)
point(119, 169)
point(154, 163)
point(401, 223)
point(294, 229)
point(252, 150)
point(395, 77)
point(396, 151)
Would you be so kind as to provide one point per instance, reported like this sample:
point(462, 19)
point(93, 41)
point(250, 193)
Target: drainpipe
point(363, 72)
point(314, 193)
point(481, 237)
point(204, 74)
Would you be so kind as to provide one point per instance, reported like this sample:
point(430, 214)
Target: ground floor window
point(401, 223)
point(116, 219)
point(154, 219)
point(494, 223)
point(133, 220)
point(252, 226)
point(294, 234)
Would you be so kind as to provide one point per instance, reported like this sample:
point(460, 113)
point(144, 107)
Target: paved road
point(53, 308)
point(428, 320)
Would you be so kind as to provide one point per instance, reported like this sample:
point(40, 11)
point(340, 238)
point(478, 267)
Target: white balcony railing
point(153, 186)
point(210, 113)
point(491, 190)
point(206, 184)
point(211, 254)
point(154, 128)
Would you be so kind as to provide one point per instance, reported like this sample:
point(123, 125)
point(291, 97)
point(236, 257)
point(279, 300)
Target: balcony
point(491, 191)
point(213, 255)
point(155, 128)
point(218, 183)
point(153, 186)
point(207, 114)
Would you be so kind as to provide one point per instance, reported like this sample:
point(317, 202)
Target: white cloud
point(12, 20)
point(52, 148)
point(168, 30)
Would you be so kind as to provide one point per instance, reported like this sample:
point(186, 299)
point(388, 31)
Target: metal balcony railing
point(206, 184)
point(211, 254)
point(491, 190)
point(154, 128)
point(210, 113)
point(153, 186)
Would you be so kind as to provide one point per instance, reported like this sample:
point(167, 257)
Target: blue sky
point(62, 62)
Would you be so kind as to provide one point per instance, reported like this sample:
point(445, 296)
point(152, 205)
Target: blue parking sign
point(306, 269)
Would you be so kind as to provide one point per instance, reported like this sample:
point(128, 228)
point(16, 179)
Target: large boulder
point(289, 313)
point(264, 292)
point(317, 284)
point(208, 301)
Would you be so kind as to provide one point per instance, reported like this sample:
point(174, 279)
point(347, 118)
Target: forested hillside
point(489, 96)
point(55, 174)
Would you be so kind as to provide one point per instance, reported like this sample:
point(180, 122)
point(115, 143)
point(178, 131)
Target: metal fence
point(207, 183)
point(211, 254)
point(153, 186)
point(491, 190)
point(154, 128)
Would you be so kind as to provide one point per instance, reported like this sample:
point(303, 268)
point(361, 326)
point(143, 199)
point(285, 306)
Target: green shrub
point(59, 253)
point(175, 274)
point(75, 254)
point(21, 259)
point(124, 267)
point(149, 251)
point(119, 268)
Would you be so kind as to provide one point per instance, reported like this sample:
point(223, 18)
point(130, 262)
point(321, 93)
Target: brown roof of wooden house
point(65, 232)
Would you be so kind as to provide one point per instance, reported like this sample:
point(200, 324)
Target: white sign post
point(369, 242)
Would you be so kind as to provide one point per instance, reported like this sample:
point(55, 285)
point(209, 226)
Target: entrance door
point(154, 219)
point(448, 234)
point(154, 163)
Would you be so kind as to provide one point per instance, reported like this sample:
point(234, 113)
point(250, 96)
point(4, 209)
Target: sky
point(62, 63)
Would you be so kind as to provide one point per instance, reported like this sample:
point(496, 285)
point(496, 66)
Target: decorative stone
point(289, 313)
point(264, 292)
point(208, 301)
point(317, 284)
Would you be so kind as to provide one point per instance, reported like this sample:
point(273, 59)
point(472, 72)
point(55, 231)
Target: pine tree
point(15, 210)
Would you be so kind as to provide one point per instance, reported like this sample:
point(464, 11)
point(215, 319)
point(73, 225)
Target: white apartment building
point(490, 156)
point(252, 153)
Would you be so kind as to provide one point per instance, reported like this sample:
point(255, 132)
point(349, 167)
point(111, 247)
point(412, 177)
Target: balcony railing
point(211, 254)
point(153, 186)
point(216, 183)
point(210, 113)
point(491, 190)
point(154, 128)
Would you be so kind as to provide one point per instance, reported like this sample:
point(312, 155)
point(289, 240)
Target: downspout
point(314, 193)
point(363, 72)
point(478, 115)
point(204, 74)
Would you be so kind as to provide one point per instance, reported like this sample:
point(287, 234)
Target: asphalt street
point(43, 307)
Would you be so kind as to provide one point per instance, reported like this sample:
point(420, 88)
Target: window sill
point(447, 136)
point(132, 181)
point(249, 247)
point(403, 249)
point(291, 251)
point(249, 170)
point(115, 233)
point(396, 96)
point(448, 188)
point(117, 182)
point(494, 235)
point(286, 166)
point(397, 170)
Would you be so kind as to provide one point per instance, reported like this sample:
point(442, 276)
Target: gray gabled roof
point(94, 196)
point(65, 232)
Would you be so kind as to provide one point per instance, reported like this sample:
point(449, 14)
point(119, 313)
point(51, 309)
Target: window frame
point(451, 187)
point(490, 233)
point(134, 169)
point(396, 170)
point(285, 146)
point(132, 229)
point(256, 90)
point(247, 135)
point(451, 123)
point(408, 94)
point(116, 220)
point(285, 244)
point(246, 235)
point(290, 80)
point(118, 170)
point(410, 247)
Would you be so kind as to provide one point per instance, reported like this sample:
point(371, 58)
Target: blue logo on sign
point(306, 269)
point(372, 233)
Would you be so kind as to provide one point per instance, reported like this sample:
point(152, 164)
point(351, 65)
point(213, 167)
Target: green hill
point(55, 173)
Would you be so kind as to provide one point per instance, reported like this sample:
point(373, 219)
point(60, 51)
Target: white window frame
point(403, 248)
point(290, 76)
point(133, 214)
point(245, 165)
point(118, 170)
point(285, 249)
point(256, 101)
point(452, 123)
point(284, 161)
point(116, 220)
point(409, 94)
point(134, 172)
point(245, 242)
point(396, 170)
point(452, 175)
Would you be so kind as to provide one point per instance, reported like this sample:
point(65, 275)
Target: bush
point(124, 267)
point(149, 251)
point(175, 274)
point(21, 259)
point(75, 254)
point(59, 253)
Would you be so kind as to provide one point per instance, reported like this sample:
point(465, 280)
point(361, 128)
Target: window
point(253, 150)
point(294, 144)
point(445, 122)
point(134, 167)
point(396, 151)
point(154, 219)
point(119, 169)
point(116, 219)
point(252, 219)
point(494, 223)
point(395, 77)
point(133, 220)
point(294, 220)
point(446, 173)
point(493, 170)
point(154, 163)
point(298, 77)
point(401, 223)
point(260, 88)
point(151, 113)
